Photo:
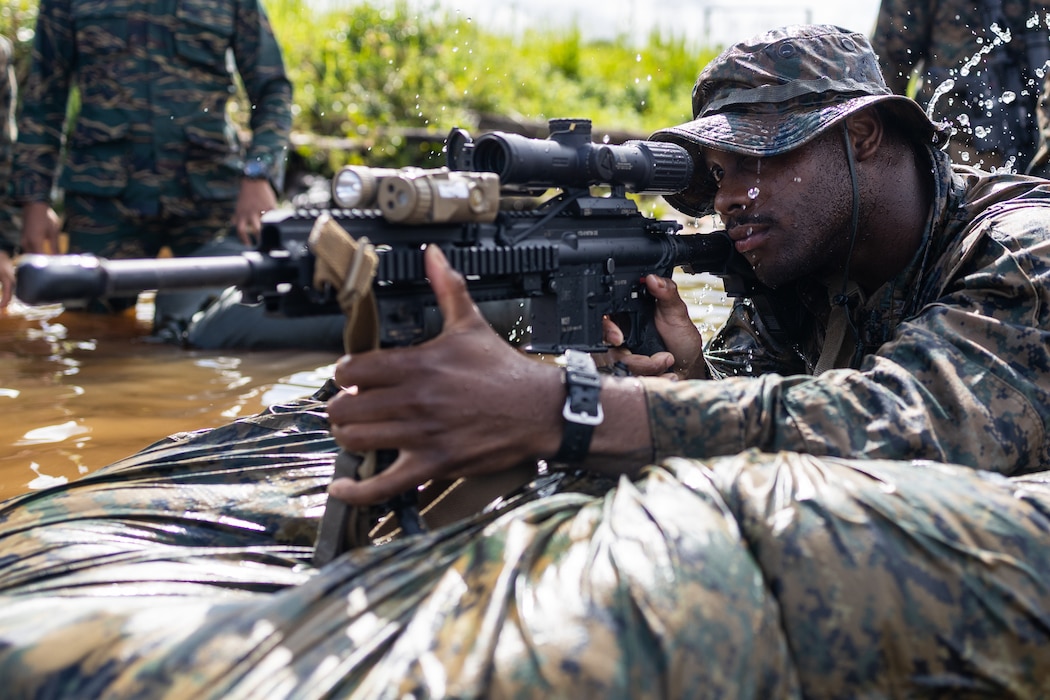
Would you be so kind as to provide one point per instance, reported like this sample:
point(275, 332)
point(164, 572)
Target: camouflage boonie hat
point(777, 91)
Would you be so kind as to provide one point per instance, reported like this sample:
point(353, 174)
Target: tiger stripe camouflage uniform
point(9, 222)
point(154, 159)
point(980, 63)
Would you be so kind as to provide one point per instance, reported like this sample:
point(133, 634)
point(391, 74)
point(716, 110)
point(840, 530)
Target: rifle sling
point(349, 265)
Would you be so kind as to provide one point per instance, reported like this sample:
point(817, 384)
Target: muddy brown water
point(80, 391)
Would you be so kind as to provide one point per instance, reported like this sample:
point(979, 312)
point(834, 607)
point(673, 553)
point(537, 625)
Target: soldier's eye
point(717, 173)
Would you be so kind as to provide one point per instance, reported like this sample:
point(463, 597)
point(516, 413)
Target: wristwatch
point(583, 410)
point(256, 170)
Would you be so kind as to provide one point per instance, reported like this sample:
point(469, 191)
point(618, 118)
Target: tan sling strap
point(837, 352)
point(349, 265)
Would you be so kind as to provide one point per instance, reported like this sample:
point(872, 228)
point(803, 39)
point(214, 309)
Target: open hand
point(461, 404)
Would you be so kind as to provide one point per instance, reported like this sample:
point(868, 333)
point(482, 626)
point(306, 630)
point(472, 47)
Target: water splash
point(938, 93)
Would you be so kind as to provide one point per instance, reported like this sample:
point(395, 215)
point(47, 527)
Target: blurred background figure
point(8, 226)
point(9, 223)
point(10, 216)
point(978, 64)
point(150, 158)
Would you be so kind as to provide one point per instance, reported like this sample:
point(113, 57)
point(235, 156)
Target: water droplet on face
point(798, 179)
point(752, 193)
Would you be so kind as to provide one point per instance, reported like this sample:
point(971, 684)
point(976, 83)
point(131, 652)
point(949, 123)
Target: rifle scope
point(568, 158)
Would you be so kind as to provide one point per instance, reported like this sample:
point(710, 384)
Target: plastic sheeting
point(183, 572)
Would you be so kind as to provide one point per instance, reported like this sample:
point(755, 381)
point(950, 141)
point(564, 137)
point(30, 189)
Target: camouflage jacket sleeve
point(45, 93)
point(261, 67)
point(964, 380)
point(901, 39)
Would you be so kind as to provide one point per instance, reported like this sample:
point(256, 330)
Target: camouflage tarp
point(183, 572)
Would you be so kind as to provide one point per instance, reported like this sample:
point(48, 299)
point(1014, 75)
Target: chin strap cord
point(836, 351)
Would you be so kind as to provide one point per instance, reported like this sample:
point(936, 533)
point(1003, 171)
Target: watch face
point(255, 170)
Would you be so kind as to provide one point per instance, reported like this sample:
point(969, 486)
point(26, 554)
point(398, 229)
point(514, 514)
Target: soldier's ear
point(866, 131)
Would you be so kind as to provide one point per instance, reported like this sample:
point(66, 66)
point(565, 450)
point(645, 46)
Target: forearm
point(622, 443)
point(261, 67)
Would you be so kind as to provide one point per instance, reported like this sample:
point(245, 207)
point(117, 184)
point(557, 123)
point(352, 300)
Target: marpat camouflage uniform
point(951, 40)
point(152, 141)
point(956, 357)
point(183, 572)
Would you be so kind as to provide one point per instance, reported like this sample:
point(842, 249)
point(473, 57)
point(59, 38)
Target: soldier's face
point(789, 215)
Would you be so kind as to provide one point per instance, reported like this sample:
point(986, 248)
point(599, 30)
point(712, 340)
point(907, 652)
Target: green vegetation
point(371, 73)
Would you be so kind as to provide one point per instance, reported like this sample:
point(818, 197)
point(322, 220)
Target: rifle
point(570, 259)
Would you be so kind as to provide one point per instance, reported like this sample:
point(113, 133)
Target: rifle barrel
point(45, 279)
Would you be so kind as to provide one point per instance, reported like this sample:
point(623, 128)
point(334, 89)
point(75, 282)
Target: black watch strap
point(583, 410)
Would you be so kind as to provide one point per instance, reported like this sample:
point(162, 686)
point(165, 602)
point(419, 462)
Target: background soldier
point(152, 160)
point(979, 66)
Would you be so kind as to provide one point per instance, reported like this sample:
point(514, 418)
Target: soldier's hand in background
point(7, 279)
point(255, 198)
point(40, 228)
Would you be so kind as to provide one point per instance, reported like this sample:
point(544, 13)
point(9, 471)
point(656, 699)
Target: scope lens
point(490, 155)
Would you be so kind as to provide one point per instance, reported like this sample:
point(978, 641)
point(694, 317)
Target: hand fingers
point(401, 476)
point(381, 419)
point(668, 300)
point(611, 333)
point(450, 288)
point(247, 233)
point(648, 365)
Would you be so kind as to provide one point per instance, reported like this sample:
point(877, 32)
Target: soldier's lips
point(748, 237)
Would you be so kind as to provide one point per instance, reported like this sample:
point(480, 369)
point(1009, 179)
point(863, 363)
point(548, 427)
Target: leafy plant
point(384, 83)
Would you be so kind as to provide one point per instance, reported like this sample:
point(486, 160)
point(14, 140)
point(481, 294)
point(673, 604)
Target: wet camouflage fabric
point(952, 40)
point(955, 365)
point(10, 226)
point(182, 572)
point(154, 78)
